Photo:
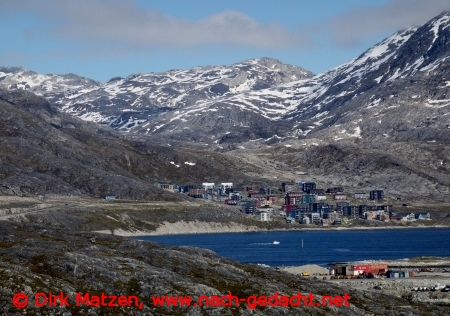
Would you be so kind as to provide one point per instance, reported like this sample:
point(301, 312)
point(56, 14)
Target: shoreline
point(197, 227)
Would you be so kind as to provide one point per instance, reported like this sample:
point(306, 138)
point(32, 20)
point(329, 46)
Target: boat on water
point(276, 242)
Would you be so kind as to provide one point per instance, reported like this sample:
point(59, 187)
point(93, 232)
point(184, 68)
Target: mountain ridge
point(245, 101)
point(138, 97)
point(381, 119)
point(44, 151)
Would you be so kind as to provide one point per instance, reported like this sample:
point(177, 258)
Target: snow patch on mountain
point(258, 98)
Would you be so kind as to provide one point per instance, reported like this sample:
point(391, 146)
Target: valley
point(381, 121)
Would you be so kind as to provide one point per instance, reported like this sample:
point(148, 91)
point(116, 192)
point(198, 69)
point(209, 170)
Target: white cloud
point(353, 27)
point(119, 23)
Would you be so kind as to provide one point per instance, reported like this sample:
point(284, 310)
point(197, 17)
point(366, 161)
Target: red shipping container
point(365, 268)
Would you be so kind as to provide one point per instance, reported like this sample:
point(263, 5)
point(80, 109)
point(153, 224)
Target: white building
point(225, 185)
point(321, 197)
point(315, 217)
point(263, 216)
point(361, 195)
point(164, 186)
point(234, 196)
point(207, 185)
point(306, 220)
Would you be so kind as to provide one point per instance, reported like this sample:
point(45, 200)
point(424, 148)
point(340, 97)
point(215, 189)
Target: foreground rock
point(37, 258)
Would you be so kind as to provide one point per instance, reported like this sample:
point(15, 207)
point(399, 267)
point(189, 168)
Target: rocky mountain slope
point(398, 89)
point(137, 103)
point(43, 151)
point(380, 120)
point(263, 98)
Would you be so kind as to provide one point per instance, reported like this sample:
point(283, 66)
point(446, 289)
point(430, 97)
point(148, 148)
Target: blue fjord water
point(319, 247)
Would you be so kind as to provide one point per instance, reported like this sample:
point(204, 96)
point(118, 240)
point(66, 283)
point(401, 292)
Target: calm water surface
point(319, 247)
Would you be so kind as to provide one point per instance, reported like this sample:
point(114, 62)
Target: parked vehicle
point(437, 287)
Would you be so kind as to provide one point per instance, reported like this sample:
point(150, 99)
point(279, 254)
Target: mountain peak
point(273, 64)
point(11, 69)
point(208, 102)
point(262, 61)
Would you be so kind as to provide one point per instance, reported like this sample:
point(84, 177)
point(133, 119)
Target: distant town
point(303, 202)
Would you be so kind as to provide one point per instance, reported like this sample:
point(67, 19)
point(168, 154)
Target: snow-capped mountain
point(20, 78)
point(128, 103)
point(409, 68)
point(401, 81)
point(263, 98)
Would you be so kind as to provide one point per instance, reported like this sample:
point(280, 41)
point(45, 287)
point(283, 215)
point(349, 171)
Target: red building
point(288, 208)
point(362, 269)
point(247, 189)
point(196, 193)
point(293, 198)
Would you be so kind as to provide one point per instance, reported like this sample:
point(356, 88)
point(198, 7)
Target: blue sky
point(101, 39)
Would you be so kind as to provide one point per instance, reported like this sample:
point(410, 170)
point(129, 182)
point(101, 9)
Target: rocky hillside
point(379, 121)
point(54, 258)
point(398, 89)
point(43, 151)
point(405, 73)
point(136, 102)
